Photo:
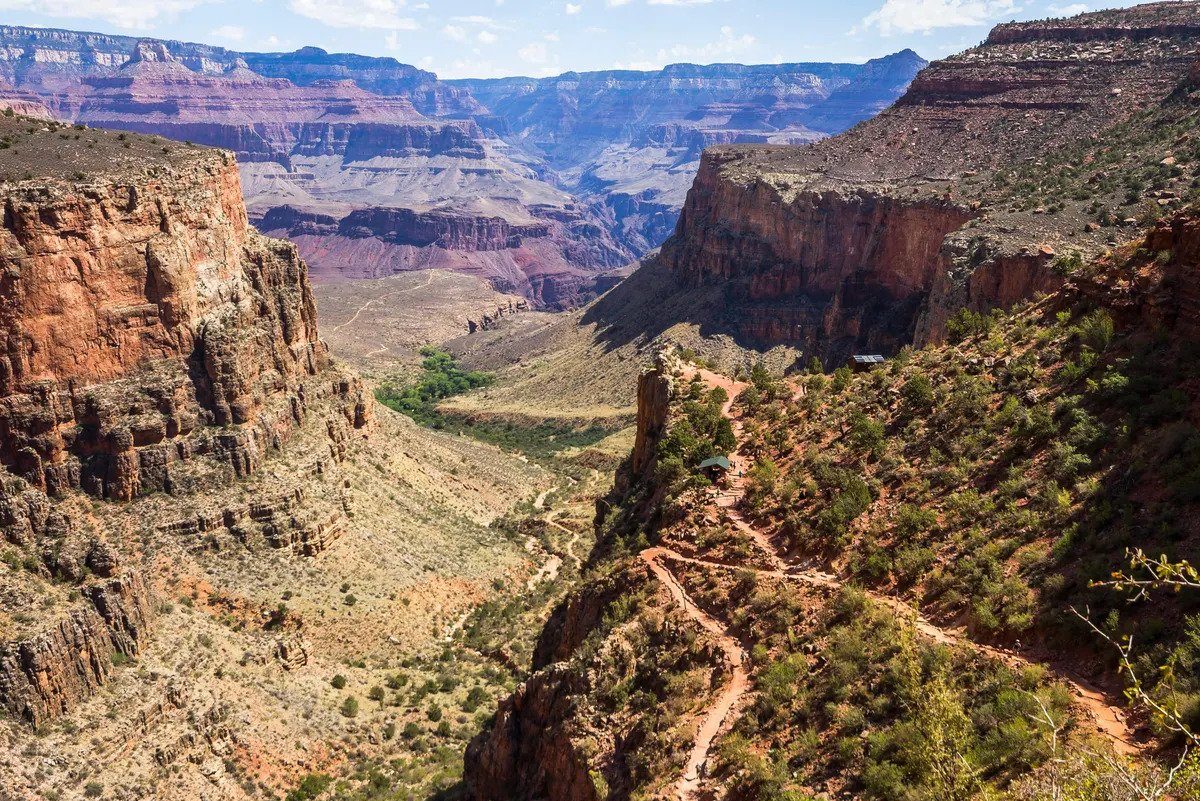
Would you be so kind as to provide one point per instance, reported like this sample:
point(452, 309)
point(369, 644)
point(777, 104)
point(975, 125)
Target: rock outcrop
point(45, 675)
point(151, 341)
point(527, 754)
point(136, 315)
point(487, 322)
point(875, 238)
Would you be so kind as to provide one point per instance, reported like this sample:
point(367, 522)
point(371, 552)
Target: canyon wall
point(609, 155)
point(332, 136)
point(151, 342)
point(962, 195)
point(139, 314)
point(630, 141)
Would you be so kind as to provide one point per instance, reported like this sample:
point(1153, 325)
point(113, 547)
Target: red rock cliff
point(150, 341)
point(962, 194)
point(132, 314)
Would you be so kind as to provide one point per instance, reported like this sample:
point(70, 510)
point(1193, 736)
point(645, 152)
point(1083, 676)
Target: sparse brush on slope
point(992, 480)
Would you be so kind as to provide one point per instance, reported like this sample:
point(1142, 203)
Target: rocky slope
point(180, 457)
point(994, 164)
point(632, 140)
point(893, 557)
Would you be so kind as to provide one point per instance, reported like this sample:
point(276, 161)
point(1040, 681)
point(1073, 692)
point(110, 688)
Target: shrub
point(967, 323)
point(338, 682)
point(851, 498)
point(1068, 263)
point(918, 393)
point(350, 706)
point(912, 521)
point(867, 434)
point(1096, 330)
point(475, 698)
point(310, 787)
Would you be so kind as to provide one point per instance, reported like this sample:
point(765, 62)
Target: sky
point(492, 38)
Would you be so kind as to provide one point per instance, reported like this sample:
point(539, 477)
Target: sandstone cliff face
point(47, 55)
point(553, 256)
point(875, 238)
point(450, 232)
point(150, 341)
point(828, 271)
point(135, 314)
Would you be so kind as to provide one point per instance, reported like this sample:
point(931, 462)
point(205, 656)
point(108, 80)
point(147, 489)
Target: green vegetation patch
point(441, 378)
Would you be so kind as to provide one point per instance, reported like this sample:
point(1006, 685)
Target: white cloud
point(679, 2)
point(551, 37)
point(533, 53)
point(1069, 10)
point(232, 32)
point(729, 44)
point(574, 8)
point(479, 19)
point(385, 14)
point(455, 32)
point(130, 14)
point(615, 3)
point(486, 37)
point(912, 16)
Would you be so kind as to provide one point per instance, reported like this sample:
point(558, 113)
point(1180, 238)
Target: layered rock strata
point(151, 341)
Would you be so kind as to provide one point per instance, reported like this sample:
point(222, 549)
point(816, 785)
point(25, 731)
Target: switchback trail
point(549, 570)
point(715, 716)
point(1108, 718)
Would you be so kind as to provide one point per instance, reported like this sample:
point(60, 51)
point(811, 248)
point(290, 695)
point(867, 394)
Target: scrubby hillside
point(904, 589)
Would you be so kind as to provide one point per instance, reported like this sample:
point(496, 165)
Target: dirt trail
point(1109, 719)
point(554, 562)
point(365, 306)
point(569, 547)
point(716, 715)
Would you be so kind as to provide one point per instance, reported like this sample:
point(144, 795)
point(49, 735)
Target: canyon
point(470, 508)
point(374, 167)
